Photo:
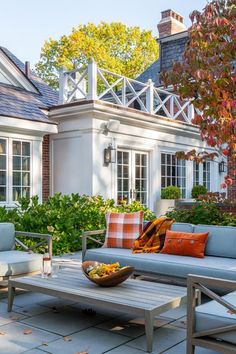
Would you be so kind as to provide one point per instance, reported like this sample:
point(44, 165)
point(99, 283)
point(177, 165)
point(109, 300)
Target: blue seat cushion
point(7, 236)
point(166, 264)
point(18, 262)
point(221, 240)
point(213, 315)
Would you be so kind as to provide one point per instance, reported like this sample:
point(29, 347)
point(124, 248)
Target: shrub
point(198, 190)
point(65, 217)
point(171, 192)
point(203, 213)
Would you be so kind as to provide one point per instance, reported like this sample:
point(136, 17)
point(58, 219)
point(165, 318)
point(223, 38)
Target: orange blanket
point(152, 238)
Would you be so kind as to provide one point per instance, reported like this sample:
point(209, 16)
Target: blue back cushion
point(7, 236)
point(221, 241)
point(182, 227)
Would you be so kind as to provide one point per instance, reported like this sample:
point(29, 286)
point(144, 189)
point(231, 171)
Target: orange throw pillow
point(185, 243)
point(123, 229)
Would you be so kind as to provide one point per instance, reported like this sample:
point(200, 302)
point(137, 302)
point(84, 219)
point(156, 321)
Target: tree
point(207, 75)
point(124, 50)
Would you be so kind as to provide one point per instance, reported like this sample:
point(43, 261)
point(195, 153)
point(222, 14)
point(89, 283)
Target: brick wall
point(46, 167)
point(232, 189)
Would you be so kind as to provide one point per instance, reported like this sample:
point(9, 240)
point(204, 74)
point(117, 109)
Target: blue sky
point(26, 24)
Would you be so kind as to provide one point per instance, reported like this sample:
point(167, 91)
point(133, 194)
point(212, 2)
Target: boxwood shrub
point(65, 217)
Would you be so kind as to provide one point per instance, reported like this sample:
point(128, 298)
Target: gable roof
point(152, 72)
point(20, 103)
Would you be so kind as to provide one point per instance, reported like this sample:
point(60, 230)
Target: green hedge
point(203, 213)
point(65, 217)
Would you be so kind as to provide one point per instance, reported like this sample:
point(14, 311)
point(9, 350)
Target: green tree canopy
point(124, 50)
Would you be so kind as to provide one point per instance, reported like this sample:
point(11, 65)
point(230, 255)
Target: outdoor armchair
point(211, 325)
point(18, 263)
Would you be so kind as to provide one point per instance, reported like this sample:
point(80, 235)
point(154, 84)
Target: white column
point(92, 80)
point(150, 97)
point(62, 86)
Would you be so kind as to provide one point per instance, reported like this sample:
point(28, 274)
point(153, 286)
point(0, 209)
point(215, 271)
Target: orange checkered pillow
point(123, 229)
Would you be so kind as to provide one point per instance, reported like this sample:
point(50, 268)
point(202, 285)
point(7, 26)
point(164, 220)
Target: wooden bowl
point(110, 280)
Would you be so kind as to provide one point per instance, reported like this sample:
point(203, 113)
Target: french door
point(132, 176)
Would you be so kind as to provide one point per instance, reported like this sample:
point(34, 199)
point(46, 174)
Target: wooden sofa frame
point(203, 338)
point(46, 238)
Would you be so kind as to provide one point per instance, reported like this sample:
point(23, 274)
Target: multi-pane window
point(21, 157)
point(3, 170)
point(123, 176)
point(141, 181)
point(196, 173)
point(207, 175)
point(173, 172)
point(132, 176)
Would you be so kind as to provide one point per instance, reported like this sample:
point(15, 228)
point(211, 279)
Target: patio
point(43, 324)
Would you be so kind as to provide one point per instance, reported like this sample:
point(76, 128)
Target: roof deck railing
point(94, 83)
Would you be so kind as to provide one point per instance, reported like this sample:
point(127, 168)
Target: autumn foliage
point(207, 74)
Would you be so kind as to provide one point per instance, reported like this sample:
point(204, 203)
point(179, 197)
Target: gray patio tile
point(65, 321)
point(55, 302)
point(3, 307)
point(109, 312)
point(93, 340)
point(164, 338)
point(181, 349)
point(176, 313)
point(181, 322)
point(10, 317)
point(30, 298)
point(35, 351)
point(14, 341)
point(129, 326)
point(32, 310)
point(125, 349)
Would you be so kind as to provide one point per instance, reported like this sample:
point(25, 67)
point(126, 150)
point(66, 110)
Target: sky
point(26, 24)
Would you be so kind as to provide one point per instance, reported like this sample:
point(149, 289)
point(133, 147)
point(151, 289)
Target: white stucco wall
point(77, 151)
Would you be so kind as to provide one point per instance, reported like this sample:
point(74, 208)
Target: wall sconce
point(222, 166)
point(109, 155)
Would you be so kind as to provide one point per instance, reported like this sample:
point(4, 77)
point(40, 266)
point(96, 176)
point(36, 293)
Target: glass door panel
point(132, 176)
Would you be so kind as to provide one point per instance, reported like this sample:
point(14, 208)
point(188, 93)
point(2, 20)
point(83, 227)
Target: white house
point(109, 135)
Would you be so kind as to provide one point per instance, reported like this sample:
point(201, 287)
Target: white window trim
point(9, 162)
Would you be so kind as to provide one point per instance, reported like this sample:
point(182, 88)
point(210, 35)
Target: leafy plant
point(198, 190)
point(115, 47)
point(203, 213)
point(65, 217)
point(171, 192)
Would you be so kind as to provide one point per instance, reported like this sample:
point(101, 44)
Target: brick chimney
point(170, 23)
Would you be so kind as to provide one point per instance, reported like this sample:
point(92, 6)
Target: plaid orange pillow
point(123, 229)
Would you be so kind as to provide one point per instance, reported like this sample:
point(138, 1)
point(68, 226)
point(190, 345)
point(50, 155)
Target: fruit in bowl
point(106, 274)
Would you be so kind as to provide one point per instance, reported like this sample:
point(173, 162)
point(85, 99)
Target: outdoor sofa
point(219, 260)
point(15, 263)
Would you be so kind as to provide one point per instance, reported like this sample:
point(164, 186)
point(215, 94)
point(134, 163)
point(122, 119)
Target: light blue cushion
point(182, 227)
point(17, 263)
point(212, 315)
point(221, 241)
point(166, 264)
point(7, 237)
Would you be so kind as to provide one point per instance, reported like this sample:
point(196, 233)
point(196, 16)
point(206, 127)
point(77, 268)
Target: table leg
point(149, 324)
point(11, 293)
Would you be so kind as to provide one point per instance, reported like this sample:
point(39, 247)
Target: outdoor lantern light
point(222, 166)
point(109, 155)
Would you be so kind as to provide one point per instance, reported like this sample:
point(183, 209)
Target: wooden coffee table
point(143, 298)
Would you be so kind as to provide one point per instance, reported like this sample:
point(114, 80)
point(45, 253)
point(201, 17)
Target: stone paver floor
point(42, 324)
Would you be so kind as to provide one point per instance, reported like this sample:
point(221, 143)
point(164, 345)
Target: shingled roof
point(20, 103)
point(171, 50)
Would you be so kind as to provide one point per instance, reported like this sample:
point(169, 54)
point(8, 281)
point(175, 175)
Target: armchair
point(15, 263)
point(211, 325)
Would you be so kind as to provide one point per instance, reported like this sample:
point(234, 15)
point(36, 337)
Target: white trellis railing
point(94, 83)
